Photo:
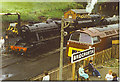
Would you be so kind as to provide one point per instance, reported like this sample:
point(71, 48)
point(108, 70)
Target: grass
point(32, 11)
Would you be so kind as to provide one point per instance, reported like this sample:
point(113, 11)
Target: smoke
point(90, 5)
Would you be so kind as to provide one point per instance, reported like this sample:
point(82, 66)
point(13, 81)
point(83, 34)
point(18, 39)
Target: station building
point(74, 13)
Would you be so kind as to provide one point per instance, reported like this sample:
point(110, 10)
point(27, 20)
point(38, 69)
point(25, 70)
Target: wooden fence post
point(103, 56)
point(58, 75)
point(115, 51)
point(110, 52)
point(73, 71)
point(84, 63)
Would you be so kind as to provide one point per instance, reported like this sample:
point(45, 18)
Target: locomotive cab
point(12, 29)
point(80, 41)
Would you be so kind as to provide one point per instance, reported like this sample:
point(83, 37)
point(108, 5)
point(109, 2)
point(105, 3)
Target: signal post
point(63, 25)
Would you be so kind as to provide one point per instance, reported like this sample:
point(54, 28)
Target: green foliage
point(31, 11)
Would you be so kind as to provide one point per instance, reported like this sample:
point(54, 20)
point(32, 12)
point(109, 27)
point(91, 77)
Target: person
point(114, 76)
point(82, 73)
point(46, 77)
point(93, 70)
point(6, 40)
point(6, 43)
point(109, 75)
point(5, 76)
point(2, 43)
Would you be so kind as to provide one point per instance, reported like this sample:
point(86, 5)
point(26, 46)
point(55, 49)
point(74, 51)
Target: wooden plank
point(117, 51)
point(106, 54)
point(73, 71)
point(83, 63)
point(102, 56)
point(110, 52)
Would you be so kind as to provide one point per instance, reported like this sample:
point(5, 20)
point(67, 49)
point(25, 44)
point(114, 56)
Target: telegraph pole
point(61, 49)
point(63, 25)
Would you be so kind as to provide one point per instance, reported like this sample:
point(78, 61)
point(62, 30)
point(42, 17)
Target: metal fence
point(99, 58)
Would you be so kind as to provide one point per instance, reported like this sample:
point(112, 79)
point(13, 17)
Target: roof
point(79, 10)
point(105, 31)
point(42, 27)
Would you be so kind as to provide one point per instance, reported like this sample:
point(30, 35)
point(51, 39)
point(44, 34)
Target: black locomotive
point(34, 36)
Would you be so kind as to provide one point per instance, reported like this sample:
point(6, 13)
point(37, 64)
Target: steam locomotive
point(33, 36)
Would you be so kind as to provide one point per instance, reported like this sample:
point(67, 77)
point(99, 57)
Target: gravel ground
point(112, 63)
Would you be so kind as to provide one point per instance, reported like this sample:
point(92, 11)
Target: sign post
point(73, 71)
point(61, 50)
point(81, 56)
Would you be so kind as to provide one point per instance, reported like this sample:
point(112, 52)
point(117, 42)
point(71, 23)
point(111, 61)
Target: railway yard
point(32, 48)
point(23, 66)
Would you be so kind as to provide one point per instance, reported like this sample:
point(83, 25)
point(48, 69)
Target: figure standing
point(6, 43)
point(46, 77)
point(109, 75)
point(2, 41)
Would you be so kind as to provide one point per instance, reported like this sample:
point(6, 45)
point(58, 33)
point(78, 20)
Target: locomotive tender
point(98, 37)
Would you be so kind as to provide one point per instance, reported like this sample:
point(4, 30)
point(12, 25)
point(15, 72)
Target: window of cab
point(96, 39)
point(81, 37)
point(75, 36)
point(84, 38)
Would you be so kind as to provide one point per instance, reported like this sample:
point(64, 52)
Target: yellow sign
point(71, 49)
point(115, 41)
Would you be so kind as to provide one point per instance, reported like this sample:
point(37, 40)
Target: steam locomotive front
point(20, 46)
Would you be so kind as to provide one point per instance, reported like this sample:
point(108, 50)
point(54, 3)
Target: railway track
point(11, 60)
point(12, 63)
point(32, 63)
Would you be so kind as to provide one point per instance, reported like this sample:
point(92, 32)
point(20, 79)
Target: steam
point(90, 5)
